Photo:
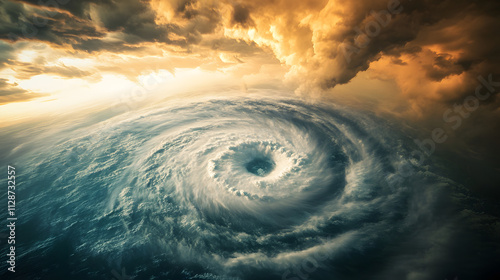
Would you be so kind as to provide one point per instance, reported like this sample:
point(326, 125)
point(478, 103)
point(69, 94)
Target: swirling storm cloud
point(238, 139)
point(237, 188)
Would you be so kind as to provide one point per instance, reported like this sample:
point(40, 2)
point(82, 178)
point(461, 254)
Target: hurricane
point(227, 188)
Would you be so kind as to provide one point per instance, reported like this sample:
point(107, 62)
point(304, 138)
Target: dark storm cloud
point(62, 28)
point(202, 18)
point(134, 19)
point(77, 8)
point(332, 41)
point(420, 24)
point(24, 22)
point(84, 24)
point(469, 34)
point(241, 15)
point(443, 66)
point(6, 53)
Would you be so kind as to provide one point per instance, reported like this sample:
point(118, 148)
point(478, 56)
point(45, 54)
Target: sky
point(421, 62)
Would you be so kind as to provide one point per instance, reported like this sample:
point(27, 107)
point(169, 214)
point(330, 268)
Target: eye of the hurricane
point(260, 166)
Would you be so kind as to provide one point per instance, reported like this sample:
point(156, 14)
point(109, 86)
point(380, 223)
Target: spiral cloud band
point(231, 188)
